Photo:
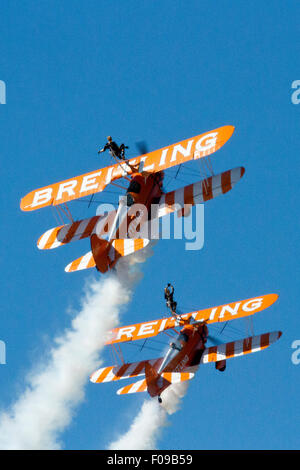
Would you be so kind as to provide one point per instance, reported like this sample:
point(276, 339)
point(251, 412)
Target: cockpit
point(135, 188)
point(180, 342)
point(175, 347)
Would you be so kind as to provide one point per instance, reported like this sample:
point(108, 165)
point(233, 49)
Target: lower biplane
point(188, 350)
point(121, 232)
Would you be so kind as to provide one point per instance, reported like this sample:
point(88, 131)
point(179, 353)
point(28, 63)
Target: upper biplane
point(120, 232)
point(187, 350)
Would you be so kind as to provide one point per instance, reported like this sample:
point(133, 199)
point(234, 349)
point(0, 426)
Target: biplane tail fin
point(152, 380)
point(151, 385)
point(239, 348)
point(106, 253)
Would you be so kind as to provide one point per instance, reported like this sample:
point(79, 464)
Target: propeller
point(142, 147)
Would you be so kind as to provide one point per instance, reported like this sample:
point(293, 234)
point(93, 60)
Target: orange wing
point(222, 313)
point(96, 181)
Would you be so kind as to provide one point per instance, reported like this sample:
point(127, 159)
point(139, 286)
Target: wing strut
point(60, 211)
point(67, 212)
point(117, 352)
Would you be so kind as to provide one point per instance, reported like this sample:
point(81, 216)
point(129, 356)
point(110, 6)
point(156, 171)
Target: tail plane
point(155, 383)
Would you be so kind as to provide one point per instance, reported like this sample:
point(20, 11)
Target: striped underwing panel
point(239, 348)
point(78, 230)
point(200, 192)
point(63, 234)
point(124, 371)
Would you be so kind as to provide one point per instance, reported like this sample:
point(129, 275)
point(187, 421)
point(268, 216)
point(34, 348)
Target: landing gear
point(220, 365)
point(159, 399)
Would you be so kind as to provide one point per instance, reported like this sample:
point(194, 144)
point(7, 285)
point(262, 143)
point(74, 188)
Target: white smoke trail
point(172, 396)
point(47, 404)
point(144, 430)
point(53, 391)
point(147, 426)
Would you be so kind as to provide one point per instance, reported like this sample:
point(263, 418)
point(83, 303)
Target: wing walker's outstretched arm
point(114, 149)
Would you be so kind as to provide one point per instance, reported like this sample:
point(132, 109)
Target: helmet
point(109, 138)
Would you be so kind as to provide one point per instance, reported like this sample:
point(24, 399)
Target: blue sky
point(160, 72)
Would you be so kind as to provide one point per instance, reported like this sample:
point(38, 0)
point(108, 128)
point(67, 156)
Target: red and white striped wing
point(199, 192)
point(84, 262)
point(127, 246)
point(177, 377)
point(58, 236)
point(63, 234)
point(240, 347)
point(120, 247)
point(140, 386)
point(125, 371)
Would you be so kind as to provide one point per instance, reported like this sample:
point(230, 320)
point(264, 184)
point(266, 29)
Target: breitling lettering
point(90, 183)
point(215, 314)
